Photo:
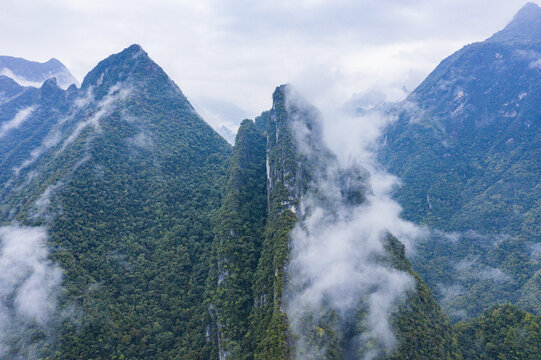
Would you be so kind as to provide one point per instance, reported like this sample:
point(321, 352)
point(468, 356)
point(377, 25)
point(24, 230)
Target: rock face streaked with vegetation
point(242, 292)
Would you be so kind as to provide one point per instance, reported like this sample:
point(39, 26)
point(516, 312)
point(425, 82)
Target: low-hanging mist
point(341, 288)
point(29, 285)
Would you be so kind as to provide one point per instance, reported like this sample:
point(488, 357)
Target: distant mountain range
point(32, 73)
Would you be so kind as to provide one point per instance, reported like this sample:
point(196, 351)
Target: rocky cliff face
point(303, 178)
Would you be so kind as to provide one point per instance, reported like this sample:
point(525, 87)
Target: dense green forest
point(466, 147)
point(502, 332)
point(129, 215)
point(172, 244)
point(239, 229)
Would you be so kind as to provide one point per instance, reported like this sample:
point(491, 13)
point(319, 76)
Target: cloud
point(450, 292)
point(43, 202)
point(16, 121)
point(54, 137)
point(536, 251)
point(494, 274)
point(19, 79)
point(472, 269)
point(51, 140)
point(116, 93)
point(355, 138)
point(141, 140)
point(64, 79)
point(220, 112)
point(29, 285)
point(336, 249)
point(238, 51)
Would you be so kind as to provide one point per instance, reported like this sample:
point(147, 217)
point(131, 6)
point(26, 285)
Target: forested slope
point(466, 147)
point(124, 175)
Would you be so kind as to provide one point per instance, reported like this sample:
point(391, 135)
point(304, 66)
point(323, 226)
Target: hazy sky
point(228, 56)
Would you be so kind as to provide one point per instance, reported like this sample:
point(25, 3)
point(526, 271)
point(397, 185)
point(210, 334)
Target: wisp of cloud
point(340, 294)
point(29, 284)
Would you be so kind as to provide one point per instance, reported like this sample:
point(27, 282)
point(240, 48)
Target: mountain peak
point(525, 26)
point(134, 48)
point(528, 8)
point(8, 88)
point(127, 64)
point(135, 51)
point(281, 91)
point(51, 82)
point(51, 91)
point(54, 62)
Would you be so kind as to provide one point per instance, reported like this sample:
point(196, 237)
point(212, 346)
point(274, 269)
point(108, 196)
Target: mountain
point(130, 229)
point(503, 331)
point(253, 286)
point(32, 73)
point(238, 230)
point(227, 134)
point(466, 146)
point(525, 26)
point(118, 179)
point(8, 88)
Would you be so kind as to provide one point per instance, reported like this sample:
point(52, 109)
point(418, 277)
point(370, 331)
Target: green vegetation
point(424, 331)
point(466, 147)
point(131, 217)
point(269, 325)
point(237, 244)
point(176, 246)
point(502, 332)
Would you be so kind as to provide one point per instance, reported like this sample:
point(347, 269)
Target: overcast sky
point(228, 56)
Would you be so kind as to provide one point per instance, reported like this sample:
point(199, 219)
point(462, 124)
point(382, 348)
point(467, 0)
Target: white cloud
point(536, 251)
point(115, 94)
point(19, 79)
point(469, 269)
point(239, 50)
point(43, 202)
point(335, 249)
point(54, 136)
point(29, 284)
point(141, 140)
point(16, 121)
